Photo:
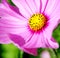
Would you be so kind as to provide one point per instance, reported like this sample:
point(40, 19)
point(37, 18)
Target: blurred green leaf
point(11, 2)
point(56, 34)
point(11, 51)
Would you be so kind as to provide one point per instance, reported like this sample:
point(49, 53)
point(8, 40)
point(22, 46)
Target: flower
point(45, 54)
point(29, 24)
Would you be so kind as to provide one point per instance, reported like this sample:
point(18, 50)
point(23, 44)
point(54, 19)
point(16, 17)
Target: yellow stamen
point(37, 22)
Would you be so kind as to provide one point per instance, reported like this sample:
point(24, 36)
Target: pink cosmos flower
point(29, 24)
point(45, 54)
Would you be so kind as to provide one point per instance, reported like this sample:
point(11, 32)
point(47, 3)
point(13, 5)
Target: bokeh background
point(11, 51)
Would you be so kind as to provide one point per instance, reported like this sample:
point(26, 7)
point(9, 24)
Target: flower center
point(37, 22)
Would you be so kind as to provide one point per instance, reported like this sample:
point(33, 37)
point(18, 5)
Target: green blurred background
point(11, 51)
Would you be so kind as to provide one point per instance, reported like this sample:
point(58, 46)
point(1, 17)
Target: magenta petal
point(59, 21)
point(19, 42)
point(5, 3)
point(32, 51)
point(14, 8)
point(17, 39)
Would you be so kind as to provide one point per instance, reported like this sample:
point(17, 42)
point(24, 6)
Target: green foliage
point(10, 51)
point(56, 34)
point(11, 2)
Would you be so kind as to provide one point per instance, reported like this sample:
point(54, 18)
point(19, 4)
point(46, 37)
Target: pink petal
point(14, 8)
point(37, 41)
point(26, 6)
point(19, 42)
point(59, 21)
point(4, 39)
point(9, 18)
point(52, 6)
point(27, 34)
point(14, 30)
point(32, 51)
point(56, 12)
point(3, 9)
point(32, 5)
point(11, 28)
point(38, 5)
point(22, 10)
point(5, 3)
point(45, 54)
point(48, 32)
point(11, 23)
point(52, 43)
point(18, 30)
point(40, 42)
point(52, 24)
point(43, 4)
point(31, 42)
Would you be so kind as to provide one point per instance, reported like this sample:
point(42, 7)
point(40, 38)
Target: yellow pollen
point(37, 22)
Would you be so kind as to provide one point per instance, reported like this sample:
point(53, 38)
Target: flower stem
point(52, 53)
